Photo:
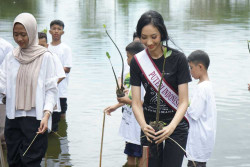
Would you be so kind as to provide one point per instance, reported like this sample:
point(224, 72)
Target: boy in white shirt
point(129, 129)
point(201, 112)
point(64, 53)
point(60, 75)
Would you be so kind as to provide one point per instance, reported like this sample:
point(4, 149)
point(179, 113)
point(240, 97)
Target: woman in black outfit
point(152, 32)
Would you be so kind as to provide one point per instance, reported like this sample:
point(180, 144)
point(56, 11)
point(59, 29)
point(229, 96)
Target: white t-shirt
point(5, 48)
point(202, 119)
point(64, 54)
point(130, 129)
point(60, 73)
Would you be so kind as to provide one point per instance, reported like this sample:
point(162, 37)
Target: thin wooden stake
point(145, 156)
point(1, 154)
point(30, 144)
point(57, 134)
point(100, 164)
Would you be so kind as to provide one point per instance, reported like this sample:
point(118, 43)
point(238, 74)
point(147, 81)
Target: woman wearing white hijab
point(28, 79)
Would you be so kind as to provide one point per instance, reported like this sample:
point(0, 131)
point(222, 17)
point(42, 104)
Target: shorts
point(198, 164)
point(133, 150)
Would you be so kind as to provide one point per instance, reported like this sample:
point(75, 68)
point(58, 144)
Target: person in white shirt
point(29, 82)
point(61, 75)
point(63, 51)
point(129, 129)
point(5, 48)
point(201, 112)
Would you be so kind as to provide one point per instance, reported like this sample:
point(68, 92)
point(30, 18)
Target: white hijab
point(30, 59)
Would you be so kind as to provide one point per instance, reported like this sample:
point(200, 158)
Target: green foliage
point(45, 30)
point(169, 53)
point(164, 52)
point(107, 54)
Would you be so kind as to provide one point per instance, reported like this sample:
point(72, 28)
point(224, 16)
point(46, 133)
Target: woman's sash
point(153, 76)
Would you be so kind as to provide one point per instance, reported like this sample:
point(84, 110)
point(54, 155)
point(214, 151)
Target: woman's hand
point(164, 133)
point(44, 123)
point(149, 132)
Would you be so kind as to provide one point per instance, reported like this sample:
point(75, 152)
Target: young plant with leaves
point(122, 87)
point(119, 92)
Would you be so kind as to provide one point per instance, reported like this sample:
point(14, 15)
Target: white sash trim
point(153, 75)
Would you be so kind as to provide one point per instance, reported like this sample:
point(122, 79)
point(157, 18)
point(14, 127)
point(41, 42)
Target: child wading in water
point(129, 129)
point(64, 53)
point(201, 112)
point(60, 75)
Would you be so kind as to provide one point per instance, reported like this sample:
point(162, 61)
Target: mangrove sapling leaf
point(119, 92)
point(122, 87)
point(158, 125)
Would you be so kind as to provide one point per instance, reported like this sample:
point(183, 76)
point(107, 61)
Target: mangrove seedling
point(158, 125)
point(119, 92)
point(122, 87)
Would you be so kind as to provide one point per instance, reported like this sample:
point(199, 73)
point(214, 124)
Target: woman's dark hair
point(135, 35)
point(154, 18)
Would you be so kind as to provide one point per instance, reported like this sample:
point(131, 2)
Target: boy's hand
point(110, 109)
point(249, 87)
point(125, 99)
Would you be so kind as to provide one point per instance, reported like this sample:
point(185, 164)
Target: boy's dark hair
point(199, 56)
point(57, 22)
point(42, 35)
point(135, 47)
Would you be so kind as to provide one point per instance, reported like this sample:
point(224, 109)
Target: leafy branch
point(122, 88)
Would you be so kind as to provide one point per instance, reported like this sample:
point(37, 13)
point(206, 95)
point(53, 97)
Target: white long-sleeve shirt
point(46, 91)
point(60, 73)
point(5, 48)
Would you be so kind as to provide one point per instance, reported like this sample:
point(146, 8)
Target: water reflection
point(58, 148)
point(220, 11)
point(9, 9)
